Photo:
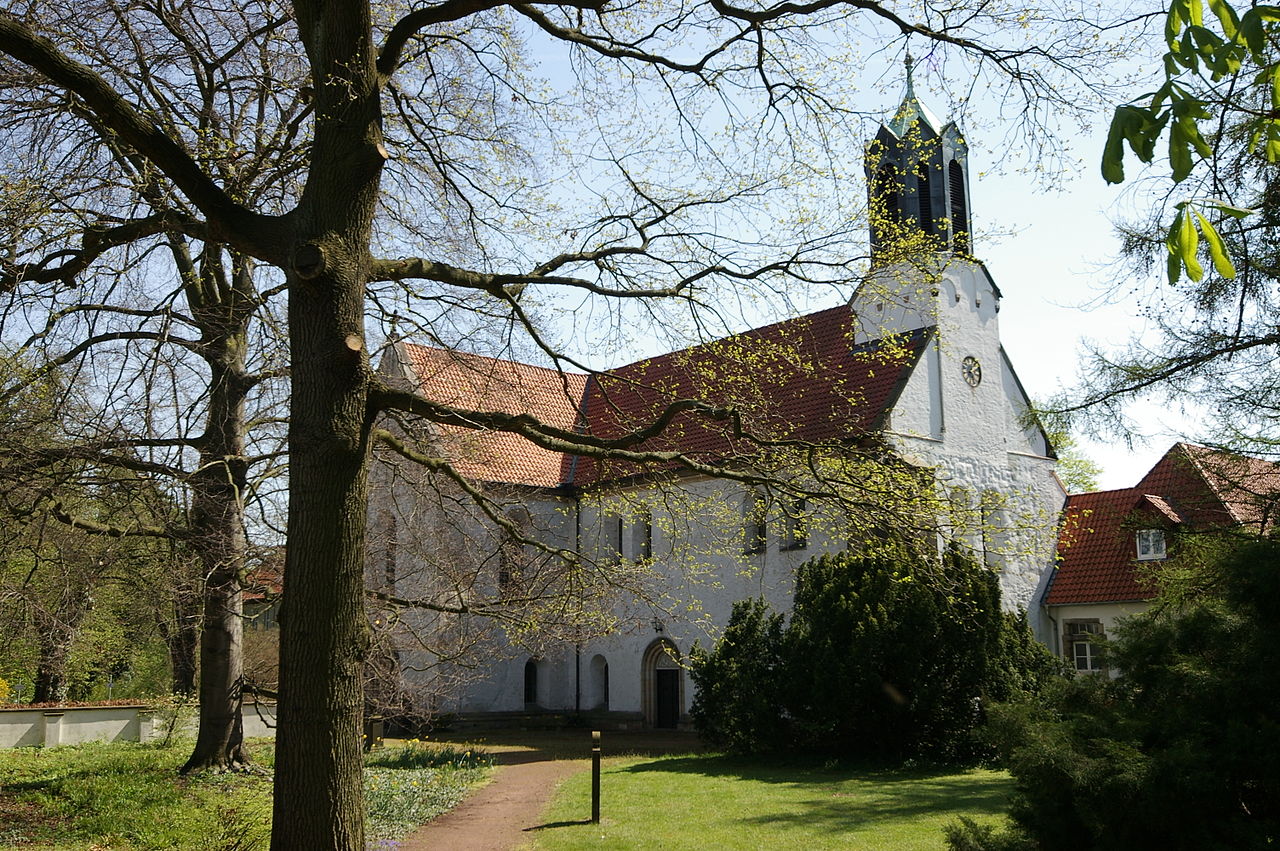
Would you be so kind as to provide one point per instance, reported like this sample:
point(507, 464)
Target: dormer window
point(1151, 546)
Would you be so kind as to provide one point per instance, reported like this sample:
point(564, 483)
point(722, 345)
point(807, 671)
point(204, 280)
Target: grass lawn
point(129, 796)
point(711, 801)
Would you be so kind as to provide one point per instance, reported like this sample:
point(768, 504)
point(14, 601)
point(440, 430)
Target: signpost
point(595, 777)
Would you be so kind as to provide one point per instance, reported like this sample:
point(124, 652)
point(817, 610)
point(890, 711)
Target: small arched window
point(531, 683)
point(959, 209)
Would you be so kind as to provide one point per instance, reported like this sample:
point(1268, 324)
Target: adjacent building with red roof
point(1110, 541)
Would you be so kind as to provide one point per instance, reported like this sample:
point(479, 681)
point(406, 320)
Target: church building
point(910, 369)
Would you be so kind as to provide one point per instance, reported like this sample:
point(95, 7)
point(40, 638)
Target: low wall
point(71, 725)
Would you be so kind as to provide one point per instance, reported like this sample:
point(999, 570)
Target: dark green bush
point(1182, 751)
point(740, 683)
point(891, 655)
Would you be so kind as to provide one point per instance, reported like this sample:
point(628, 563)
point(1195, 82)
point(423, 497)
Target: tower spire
point(917, 177)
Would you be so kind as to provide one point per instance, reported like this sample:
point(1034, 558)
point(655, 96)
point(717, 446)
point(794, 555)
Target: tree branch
point(229, 222)
point(96, 242)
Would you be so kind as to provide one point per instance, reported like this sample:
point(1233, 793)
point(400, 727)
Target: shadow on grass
point(513, 747)
point(845, 797)
point(552, 824)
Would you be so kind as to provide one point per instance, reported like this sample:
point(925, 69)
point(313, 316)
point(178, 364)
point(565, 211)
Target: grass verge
point(129, 796)
point(710, 801)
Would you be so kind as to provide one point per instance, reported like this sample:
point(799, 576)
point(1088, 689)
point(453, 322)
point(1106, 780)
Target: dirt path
point(497, 816)
point(532, 764)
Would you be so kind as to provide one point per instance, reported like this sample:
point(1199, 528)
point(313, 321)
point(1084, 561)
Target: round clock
point(972, 371)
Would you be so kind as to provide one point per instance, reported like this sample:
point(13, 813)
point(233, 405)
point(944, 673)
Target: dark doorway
point(530, 683)
point(667, 698)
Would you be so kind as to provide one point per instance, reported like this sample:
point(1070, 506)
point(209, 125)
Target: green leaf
point(1174, 244)
point(1188, 54)
point(1275, 88)
point(1217, 252)
point(1173, 23)
point(1251, 30)
point(1173, 268)
point(1273, 142)
point(1189, 245)
point(1227, 18)
point(1113, 151)
point(1179, 152)
point(1139, 127)
point(1231, 209)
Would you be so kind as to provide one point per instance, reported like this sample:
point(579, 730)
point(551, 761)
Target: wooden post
point(595, 777)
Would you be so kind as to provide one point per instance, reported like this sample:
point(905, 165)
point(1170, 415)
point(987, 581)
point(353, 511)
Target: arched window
point(959, 209)
point(598, 696)
point(885, 208)
point(530, 683)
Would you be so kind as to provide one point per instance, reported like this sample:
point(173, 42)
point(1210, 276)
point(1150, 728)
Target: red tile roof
point(1097, 550)
point(476, 383)
point(801, 379)
point(1248, 487)
point(1191, 486)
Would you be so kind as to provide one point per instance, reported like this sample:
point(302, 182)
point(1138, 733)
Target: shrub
point(1182, 750)
point(886, 654)
point(4, 690)
point(739, 683)
point(890, 652)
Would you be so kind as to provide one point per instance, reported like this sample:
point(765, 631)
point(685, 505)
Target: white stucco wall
point(1108, 614)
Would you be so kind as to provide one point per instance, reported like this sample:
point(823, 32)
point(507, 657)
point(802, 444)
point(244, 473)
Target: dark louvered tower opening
point(959, 210)
point(885, 196)
point(926, 198)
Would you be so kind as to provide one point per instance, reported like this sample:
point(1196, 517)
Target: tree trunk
point(51, 667)
point(221, 308)
point(55, 632)
point(183, 639)
point(318, 802)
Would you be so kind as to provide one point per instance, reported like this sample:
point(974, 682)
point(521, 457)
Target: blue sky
point(1056, 272)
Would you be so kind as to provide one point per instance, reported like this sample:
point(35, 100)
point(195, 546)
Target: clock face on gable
point(971, 370)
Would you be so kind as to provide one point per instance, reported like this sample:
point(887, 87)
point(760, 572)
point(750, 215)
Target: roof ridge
point(736, 335)
point(445, 349)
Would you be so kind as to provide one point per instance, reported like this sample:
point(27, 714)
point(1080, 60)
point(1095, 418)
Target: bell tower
point(918, 183)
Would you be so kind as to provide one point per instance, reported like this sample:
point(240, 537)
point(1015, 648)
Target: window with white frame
point(1081, 646)
point(1151, 544)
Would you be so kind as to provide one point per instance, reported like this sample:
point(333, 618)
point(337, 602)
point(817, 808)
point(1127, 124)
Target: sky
point(1055, 271)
